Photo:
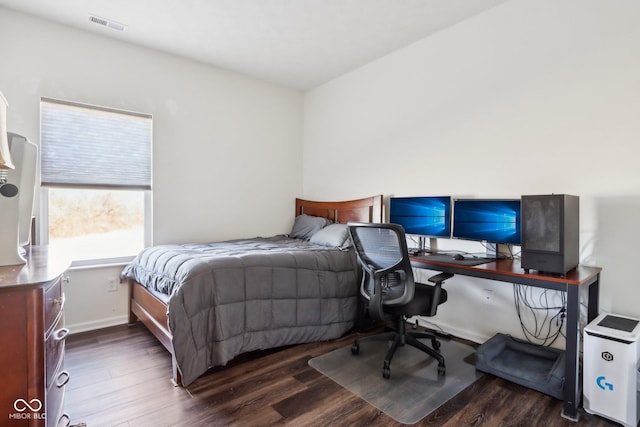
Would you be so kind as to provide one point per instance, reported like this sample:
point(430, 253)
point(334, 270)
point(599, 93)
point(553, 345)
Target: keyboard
point(469, 260)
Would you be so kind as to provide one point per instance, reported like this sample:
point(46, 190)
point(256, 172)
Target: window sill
point(100, 263)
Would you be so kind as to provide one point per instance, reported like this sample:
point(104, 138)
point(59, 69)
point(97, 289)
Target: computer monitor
point(493, 221)
point(424, 216)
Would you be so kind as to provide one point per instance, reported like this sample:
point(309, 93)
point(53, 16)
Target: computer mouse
point(458, 257)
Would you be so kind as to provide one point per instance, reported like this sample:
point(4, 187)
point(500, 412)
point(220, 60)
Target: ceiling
point(294, 43)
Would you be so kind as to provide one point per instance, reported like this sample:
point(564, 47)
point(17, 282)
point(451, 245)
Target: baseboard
point(75, 328)
point(429, 323)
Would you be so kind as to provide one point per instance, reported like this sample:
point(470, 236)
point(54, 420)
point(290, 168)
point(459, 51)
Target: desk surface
point(506, 269)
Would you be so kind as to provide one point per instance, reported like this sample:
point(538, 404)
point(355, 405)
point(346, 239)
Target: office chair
point(390, 291)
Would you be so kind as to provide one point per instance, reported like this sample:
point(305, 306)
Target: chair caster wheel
point(386, 370)
point(386, 373)
point(355, 348)
point(441, 370)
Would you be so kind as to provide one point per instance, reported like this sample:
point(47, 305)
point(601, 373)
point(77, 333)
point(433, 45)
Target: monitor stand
point(433, 245)
point(492, 250)
point(497, 250)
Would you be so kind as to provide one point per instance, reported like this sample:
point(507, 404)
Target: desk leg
point(572, 355)
point(594, 300)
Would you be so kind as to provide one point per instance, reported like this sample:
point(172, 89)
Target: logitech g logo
point(604, 385)
point(607, 356)
point(22, 405)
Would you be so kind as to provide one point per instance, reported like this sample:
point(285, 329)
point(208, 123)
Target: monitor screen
point(425, 216)
point(496, 221)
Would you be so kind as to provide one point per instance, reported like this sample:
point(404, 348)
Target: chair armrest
point(437, 290)
point(439, 278)
point(435, 300)
point(375, 301)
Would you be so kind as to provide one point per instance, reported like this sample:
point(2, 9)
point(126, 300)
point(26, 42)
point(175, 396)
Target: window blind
point(87, 146)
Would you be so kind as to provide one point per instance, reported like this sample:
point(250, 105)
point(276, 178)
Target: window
point(96, 178)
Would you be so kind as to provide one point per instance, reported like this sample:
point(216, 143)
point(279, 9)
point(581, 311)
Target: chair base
point(400, 337)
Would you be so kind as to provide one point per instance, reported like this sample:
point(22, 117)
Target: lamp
point(5, 155)
point(17, 183)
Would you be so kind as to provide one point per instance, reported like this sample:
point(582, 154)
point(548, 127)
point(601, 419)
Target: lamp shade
point(5, 155)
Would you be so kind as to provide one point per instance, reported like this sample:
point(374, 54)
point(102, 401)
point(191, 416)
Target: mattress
point(227, 298)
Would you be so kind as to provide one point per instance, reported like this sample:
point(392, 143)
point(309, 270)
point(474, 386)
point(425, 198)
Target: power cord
point(436, 330)
point(543, 329)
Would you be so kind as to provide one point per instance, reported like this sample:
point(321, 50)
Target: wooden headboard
point(368, 209)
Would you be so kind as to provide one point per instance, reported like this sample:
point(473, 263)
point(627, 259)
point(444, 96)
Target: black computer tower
point(550, 233)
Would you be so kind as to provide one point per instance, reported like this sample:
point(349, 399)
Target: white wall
point(531, 97)
point(224, 144)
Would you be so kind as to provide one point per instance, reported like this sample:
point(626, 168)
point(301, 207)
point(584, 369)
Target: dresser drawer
point(53, 302)
point(54, 350)
point(55, 398)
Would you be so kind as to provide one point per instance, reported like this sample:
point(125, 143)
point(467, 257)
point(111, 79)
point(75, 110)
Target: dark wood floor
point(120, 377)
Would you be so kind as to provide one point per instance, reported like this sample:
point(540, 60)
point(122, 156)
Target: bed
point(207, 303)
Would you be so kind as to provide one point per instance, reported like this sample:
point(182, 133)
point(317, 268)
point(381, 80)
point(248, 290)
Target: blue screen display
point(426, 216)
point(496, 221)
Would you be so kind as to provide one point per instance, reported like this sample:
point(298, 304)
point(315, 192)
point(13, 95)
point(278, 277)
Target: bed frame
point(152, 312)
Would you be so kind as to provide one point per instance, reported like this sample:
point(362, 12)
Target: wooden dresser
point(32, 340)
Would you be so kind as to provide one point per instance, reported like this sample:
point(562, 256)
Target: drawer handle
point(58, 301)
point(62, 417)
point(60, 334)
point(62, 379)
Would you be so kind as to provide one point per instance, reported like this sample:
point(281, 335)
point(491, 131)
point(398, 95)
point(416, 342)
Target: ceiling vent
point(106, 23)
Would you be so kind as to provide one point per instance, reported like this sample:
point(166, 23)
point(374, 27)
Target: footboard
point(152, 312)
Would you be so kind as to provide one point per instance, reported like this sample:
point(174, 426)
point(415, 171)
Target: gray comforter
point(232, 297)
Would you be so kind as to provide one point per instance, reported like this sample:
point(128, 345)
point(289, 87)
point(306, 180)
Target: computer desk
point(506, 270)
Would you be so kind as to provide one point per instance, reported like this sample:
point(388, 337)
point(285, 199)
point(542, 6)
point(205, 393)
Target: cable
point(542, 314)
point(434, 327)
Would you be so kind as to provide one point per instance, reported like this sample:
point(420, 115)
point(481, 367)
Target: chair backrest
point(382, 253)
